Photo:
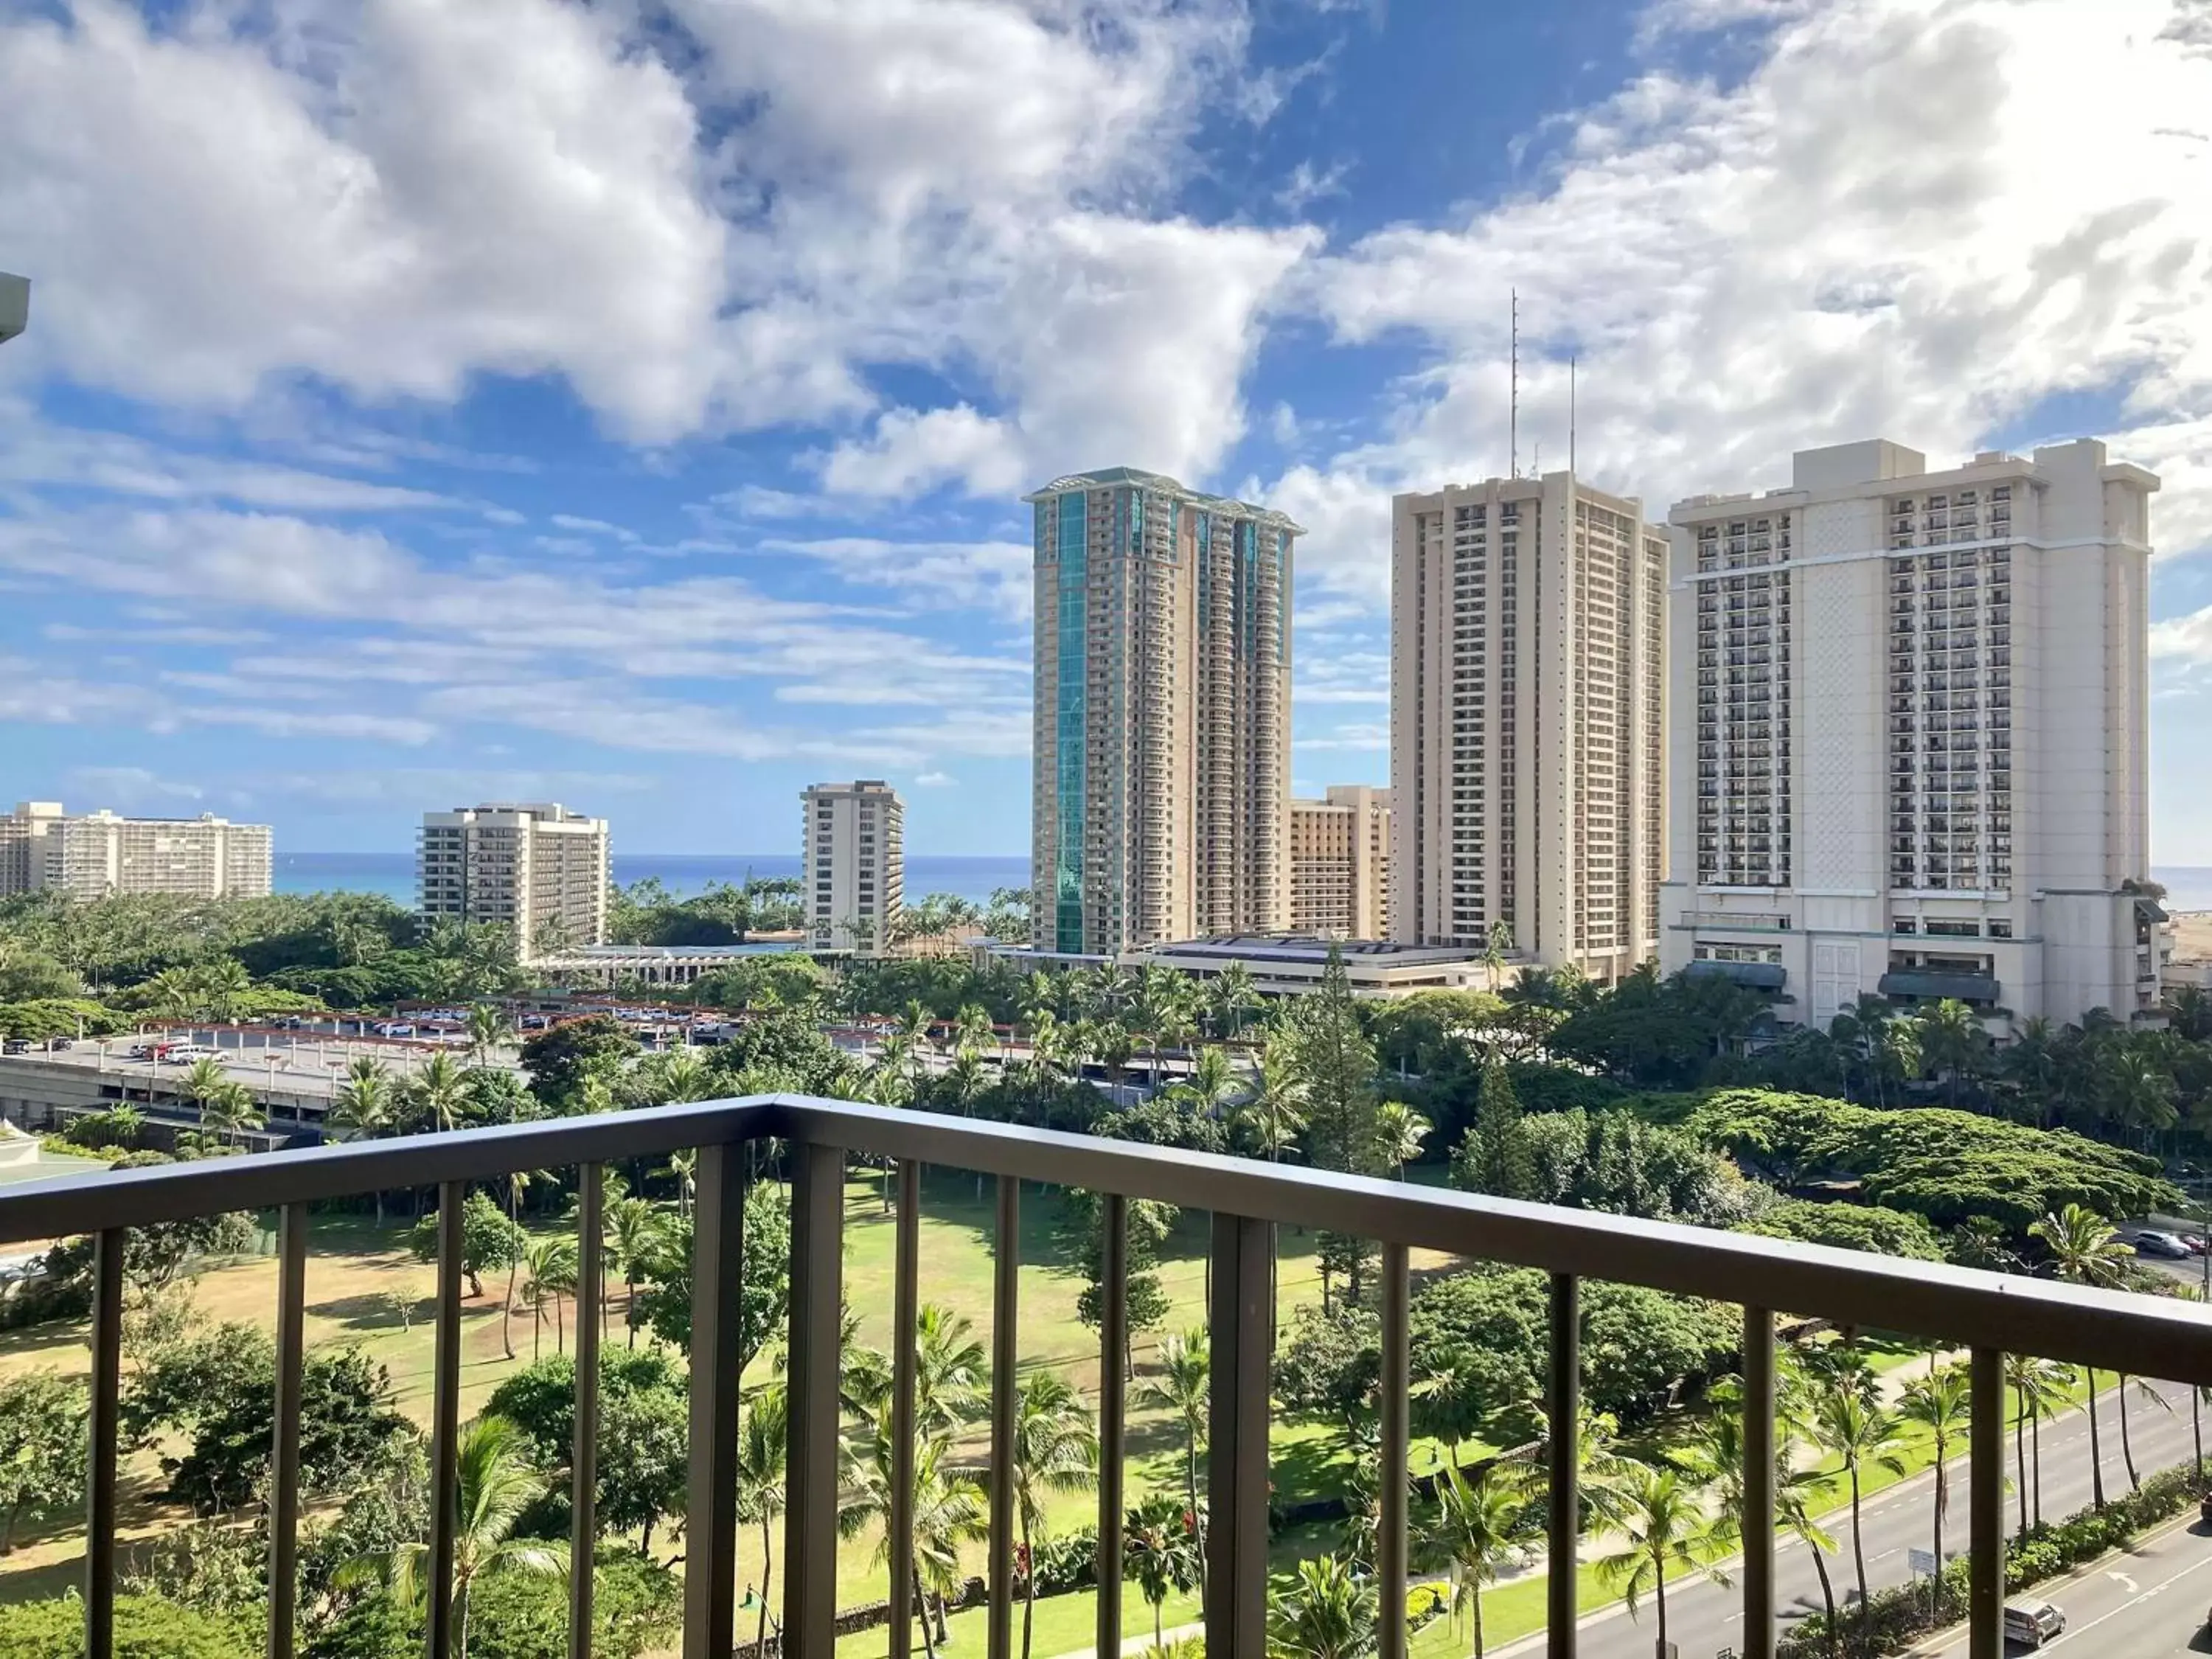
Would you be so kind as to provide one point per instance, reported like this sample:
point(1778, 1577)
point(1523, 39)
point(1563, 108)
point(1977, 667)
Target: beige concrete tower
point(1909, 757)
point(853, 845)
point(1527, 721)
point(536, 867)
point(1162, 748)
point(1340, 863)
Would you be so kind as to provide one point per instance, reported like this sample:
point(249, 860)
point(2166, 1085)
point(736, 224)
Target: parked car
point(2153, 1242)
point(2194, 1242)
point(15, 1046)
point(2031, 1624)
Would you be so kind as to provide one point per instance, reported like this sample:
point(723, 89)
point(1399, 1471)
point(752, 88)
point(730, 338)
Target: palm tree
point(436, 1094)
point(1055, 1449)
point(224, 983)
point(1270, 1118)
point(1940, 1402)
point(231, 1110)
point(202, 1082)
point(1477, 1532)
point(1664, 1528)
point(361, 1108)
point(1184, 1386)
point(551, 1264)
point(1952, 1041)
point(487, 1028)
point(1329, 1613)
point(1160, 1550)
point(949, 1369)
point(1856, 1431)
point(950, 1513)
point(497, 1484)
point(2085, 1249)
point(761, 1441)
point(2038, 1389)
point(1211, 1079)
point(2135, 1385)
point(1400, 1134)
point(634, 1230)
point(1231, 995)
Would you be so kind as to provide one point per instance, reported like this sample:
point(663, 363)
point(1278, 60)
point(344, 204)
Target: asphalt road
point(1705, 1620)
point(2145, 1604)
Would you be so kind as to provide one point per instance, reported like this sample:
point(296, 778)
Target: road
point(1705, 1619)
point(2145, 1604)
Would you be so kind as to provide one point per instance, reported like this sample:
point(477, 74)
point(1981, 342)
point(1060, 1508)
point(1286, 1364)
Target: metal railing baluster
point(104, 1429)
point(584, 1457)
point(1985, 1468)
point(1390, 1556)
point(1563, 1408)
point(810, 1549)
point(710, 1518)
point(906, 1315)
point(284, 1447)
point(1758, 1466)
point(1006, 1386)
point(445, 1421)
point(1113, 1412)
point(1242, 1342)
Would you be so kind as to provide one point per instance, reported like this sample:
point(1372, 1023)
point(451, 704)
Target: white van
point(2031, 1624)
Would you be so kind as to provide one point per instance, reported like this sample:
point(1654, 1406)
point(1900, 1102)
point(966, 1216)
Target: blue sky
point(628, 403)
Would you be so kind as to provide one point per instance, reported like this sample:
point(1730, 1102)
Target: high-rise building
point(1909, 743)
point(1340, 863)
point(1527, 722)
point(91, 854)
point(1163, 714)
point(534, 867)
point(852, 845)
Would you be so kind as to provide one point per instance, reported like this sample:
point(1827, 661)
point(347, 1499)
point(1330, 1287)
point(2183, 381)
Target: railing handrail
point(2112, 1330)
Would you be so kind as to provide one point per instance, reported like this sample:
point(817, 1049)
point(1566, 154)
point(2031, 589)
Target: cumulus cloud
point(1879, 229)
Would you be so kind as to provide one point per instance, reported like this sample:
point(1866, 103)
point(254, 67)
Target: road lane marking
point(2124, 1607)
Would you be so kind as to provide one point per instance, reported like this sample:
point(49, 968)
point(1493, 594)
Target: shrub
point(146, 1627)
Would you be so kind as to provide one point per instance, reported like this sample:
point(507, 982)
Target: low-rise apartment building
point(534, 867)
point(44, 848)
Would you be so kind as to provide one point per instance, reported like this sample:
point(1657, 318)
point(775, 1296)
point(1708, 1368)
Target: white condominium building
point(1340, 863)
point(534, 867)
point(852, 844)
point(1163, 714)
point(89, 854)
point(1526, 746)
point(1910, 733)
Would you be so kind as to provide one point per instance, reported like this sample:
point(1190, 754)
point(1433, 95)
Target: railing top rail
point(134, 1197)
point(2151, 1336)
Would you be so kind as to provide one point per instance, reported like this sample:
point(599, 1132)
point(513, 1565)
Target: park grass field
point(360, 1277)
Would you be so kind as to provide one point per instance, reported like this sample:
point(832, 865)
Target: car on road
point(2031, 1624)
point(184, 1053)
point(15, 1046)
point(2151, 1242)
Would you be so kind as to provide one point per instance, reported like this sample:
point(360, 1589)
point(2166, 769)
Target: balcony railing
point(1988, 1314)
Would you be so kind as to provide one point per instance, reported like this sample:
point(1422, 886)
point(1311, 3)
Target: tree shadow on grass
point(375, 1310)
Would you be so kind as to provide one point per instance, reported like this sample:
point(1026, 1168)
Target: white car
point(2153, 1242)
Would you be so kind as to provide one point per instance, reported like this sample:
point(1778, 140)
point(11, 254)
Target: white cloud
point(994, 576)
point(1880, 229)
point(933, 780)
point(132, 786)
point(736, 234)
point(391, 196)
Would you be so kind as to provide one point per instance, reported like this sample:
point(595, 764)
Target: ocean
point(392, 874)
point(2189, 887)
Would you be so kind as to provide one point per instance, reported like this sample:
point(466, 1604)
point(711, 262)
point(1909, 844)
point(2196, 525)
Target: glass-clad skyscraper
point(1162, 748)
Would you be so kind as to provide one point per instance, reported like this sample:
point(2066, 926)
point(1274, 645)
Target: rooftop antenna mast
point(1571, 417)
point(1513, 415)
